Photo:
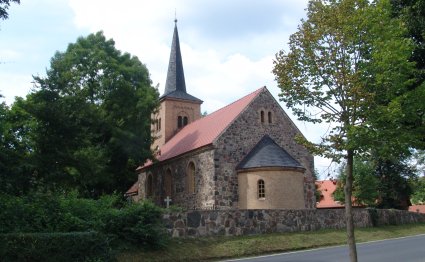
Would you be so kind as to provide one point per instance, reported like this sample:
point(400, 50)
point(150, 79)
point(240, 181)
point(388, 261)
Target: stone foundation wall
point(247, 222)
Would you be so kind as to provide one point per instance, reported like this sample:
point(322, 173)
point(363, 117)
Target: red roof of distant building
point(417, 208)
point(134, 189)
point(205, 130)
point(326, 188)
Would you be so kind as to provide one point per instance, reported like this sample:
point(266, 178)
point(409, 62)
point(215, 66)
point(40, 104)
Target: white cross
point(167, 201)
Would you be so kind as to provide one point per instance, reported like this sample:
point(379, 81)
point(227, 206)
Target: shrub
point(76, 246)
point(137, 223)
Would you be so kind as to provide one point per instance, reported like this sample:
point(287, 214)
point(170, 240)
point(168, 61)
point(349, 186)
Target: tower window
point(262, 116)
point(261, 189)
point(179, 122)
point(270, 117)
point(185, 121)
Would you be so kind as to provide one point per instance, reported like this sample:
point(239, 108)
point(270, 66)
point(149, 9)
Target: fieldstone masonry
point(248, 222)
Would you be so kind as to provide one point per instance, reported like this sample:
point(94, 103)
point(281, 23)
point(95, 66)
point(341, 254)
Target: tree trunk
point(348, 207)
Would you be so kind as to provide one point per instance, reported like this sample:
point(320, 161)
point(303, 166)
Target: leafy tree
point(345, 64)
point(412, 12)
point(383, 183)
point(15, 160)
point(418, 186)
point(92, 114)
point(365, 184)
point(4, 5)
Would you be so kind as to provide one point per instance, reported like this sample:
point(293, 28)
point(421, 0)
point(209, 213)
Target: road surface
point(406, 249)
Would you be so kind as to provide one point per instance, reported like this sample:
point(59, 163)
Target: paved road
point(407, 249)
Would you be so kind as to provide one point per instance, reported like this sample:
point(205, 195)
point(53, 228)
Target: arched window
point(149, 186)
point(185, 121)
point(191, 178)
point(262, 116)
point(179, 122)
point(261, 189)
point(270, 117)
point(168, 184)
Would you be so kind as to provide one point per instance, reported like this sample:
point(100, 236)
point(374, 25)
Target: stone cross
point(167, 200)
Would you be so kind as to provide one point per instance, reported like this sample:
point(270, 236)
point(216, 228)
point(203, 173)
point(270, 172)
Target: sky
point(227, 47)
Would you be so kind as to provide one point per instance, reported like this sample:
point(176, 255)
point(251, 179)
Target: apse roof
point(267, 153)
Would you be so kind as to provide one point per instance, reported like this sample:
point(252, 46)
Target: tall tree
point(345, 63)
point(4, 5)
point(380, 182)
point(15, 153)
point(93, 114)
point(365, 183)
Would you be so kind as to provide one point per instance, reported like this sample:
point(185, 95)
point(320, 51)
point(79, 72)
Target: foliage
point(347, 65)
point(379, 183)
point(412, 12)
point(90, 118)
point(140, 224)
point(364, 186)
point(418, 188)
point(76, 246)
point(15, 143)
point(394, 188)
point(134, 223)
point(4, 5)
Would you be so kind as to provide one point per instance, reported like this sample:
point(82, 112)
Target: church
point(242, 156)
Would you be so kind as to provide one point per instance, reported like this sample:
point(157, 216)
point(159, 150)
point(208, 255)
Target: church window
point(168, 184)
point(159, 124)
point(179, 122)
point(262, 116)
point(270, 117)
point(261, 189)
point(185, 121)
point(149, 186)
point(191, 178)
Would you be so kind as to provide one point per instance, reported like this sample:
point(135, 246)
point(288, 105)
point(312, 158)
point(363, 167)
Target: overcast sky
point(227, 46)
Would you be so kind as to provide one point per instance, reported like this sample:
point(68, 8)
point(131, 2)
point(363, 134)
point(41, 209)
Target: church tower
point(177, 107)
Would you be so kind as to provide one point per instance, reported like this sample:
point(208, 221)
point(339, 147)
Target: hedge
point(76, 246)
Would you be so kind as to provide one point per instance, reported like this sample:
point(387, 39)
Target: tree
point(379, 182)
point(93, 116)
point(4, 5)
point(412, 13)
point(345, 64)
point(418, 195)
point(15, 159)
point(365, 184)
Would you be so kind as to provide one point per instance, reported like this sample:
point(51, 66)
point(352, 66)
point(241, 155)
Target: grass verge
point(216, 248)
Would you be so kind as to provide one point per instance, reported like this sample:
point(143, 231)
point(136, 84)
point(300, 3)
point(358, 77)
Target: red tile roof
point(327, 187)
point(205, 130)
point(134, 189)
point(417, 208)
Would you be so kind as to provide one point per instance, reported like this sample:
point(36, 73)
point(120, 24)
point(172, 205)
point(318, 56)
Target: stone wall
point(247, 222)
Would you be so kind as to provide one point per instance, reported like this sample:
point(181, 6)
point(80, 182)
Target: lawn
point(216, 248)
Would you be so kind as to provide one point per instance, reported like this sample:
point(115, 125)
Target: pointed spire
point(175, 76)
point(175, 85)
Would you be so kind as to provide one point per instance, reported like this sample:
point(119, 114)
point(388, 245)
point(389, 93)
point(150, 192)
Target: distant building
point(244, 155)
point(417, 208)
point(326, 189)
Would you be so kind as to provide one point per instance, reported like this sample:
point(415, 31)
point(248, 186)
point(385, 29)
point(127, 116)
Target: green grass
point(216, 248)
